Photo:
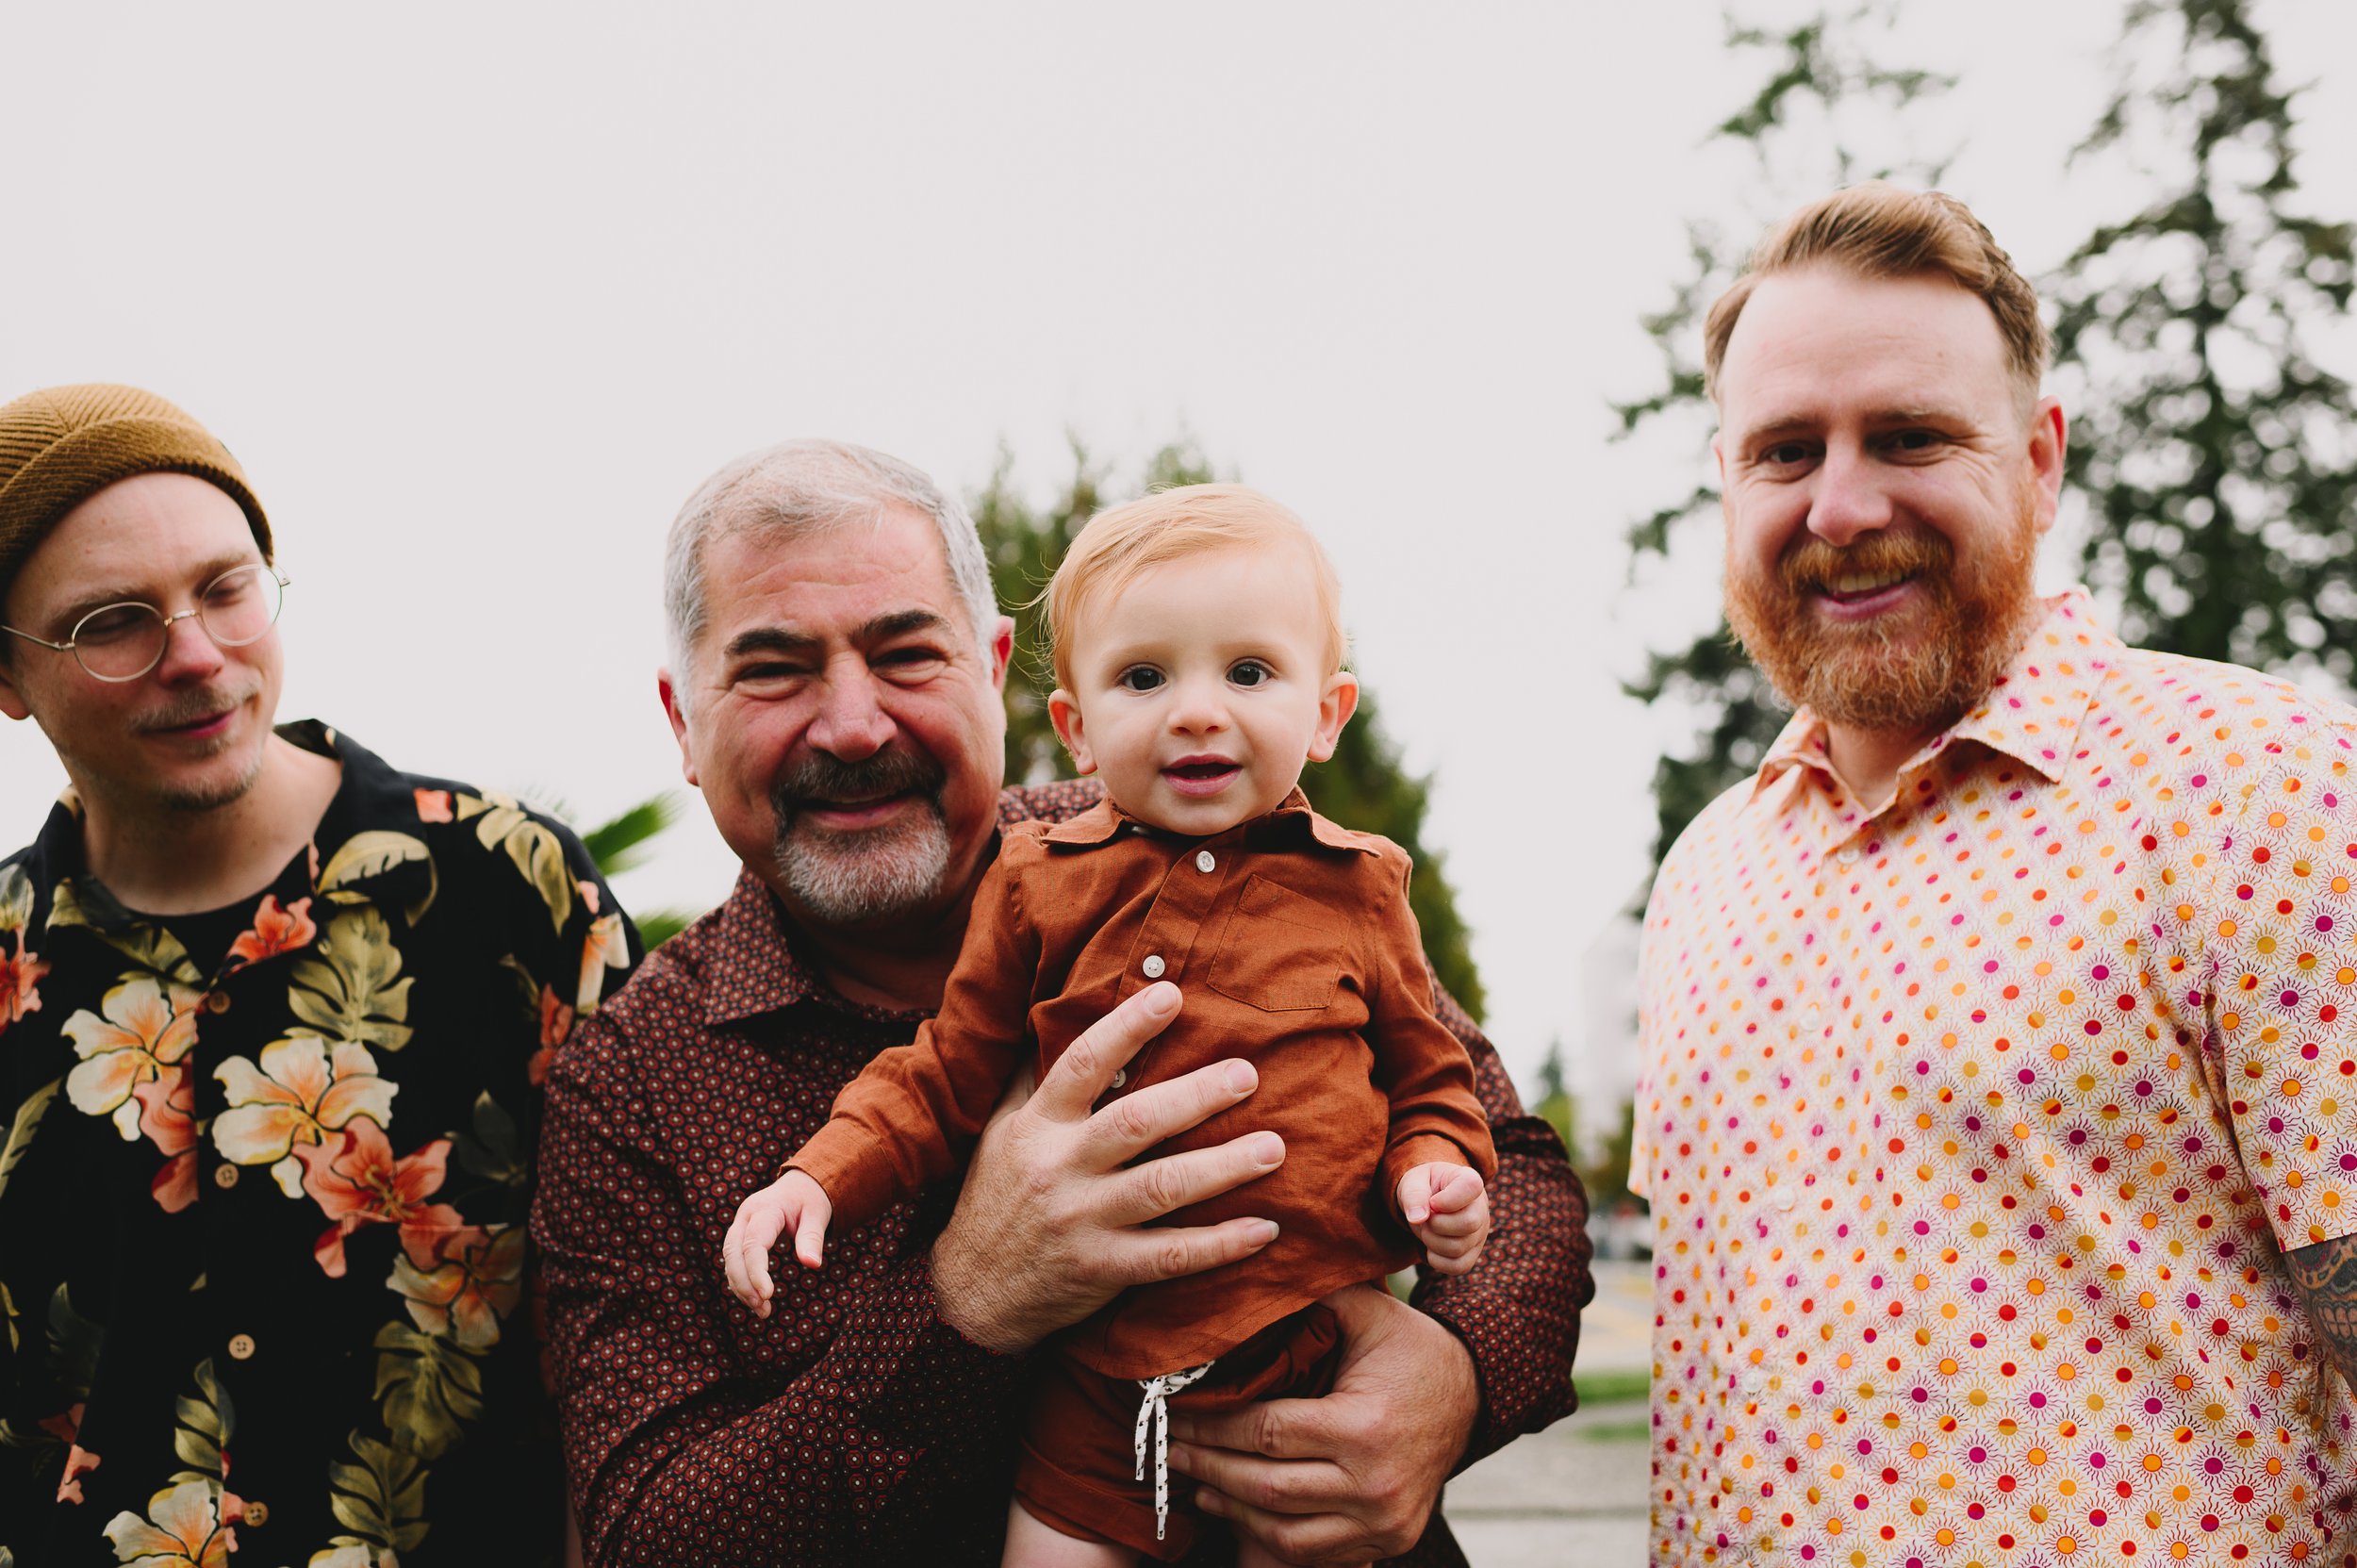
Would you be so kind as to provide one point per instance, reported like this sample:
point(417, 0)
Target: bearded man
point(1999, 1101)
point(835, 684)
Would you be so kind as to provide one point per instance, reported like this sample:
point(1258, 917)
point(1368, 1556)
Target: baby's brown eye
point(1251, 672)
point(1139, 678)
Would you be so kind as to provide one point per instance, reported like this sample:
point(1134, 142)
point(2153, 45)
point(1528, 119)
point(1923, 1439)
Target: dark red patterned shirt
point(853, 1425)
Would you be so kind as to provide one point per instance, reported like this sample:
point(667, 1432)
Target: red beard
point(1911, 670)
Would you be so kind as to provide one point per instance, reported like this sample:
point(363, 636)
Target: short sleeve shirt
point(1974, 1129)
point(264, 1174)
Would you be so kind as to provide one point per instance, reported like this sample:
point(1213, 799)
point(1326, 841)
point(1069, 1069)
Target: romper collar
point(1105, 822)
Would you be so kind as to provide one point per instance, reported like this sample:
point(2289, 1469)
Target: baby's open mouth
point(1200, 775)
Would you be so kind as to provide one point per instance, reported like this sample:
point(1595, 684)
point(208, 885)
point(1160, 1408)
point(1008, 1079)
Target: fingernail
point(1268, 1234)
point(1267, 1151)
point(1208, 1501)
point(1162, 998)
point(1240, 1078)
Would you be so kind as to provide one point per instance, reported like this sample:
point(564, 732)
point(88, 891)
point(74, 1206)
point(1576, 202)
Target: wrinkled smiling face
point(846, 732)
point(1884, 495)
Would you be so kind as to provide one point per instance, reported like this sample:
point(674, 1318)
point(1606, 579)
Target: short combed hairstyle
point(1118, 546)
point(800, 487)
point(1878, 230)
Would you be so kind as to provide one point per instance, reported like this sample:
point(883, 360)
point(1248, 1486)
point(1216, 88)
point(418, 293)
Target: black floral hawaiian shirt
point(264, 1175)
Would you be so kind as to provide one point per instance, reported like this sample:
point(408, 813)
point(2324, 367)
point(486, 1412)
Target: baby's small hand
point(1448, 1209)
point(794, 1202)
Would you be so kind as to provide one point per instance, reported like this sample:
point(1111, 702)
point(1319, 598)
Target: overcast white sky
point(479, 294)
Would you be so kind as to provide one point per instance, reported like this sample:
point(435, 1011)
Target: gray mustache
point(822, 780)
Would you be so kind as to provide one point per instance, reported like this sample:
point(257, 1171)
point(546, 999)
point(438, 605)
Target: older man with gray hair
point(836, 670)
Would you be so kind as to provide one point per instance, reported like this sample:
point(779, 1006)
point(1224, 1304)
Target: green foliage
point(380, 1500)
point(1795, 127)
point(1024, 544)
point(624, 841)
point(1364, 786)
point(203, 1427)
point(1556, 1106)
point(621, 842)
point(1605, 1176)
point(2218, 458)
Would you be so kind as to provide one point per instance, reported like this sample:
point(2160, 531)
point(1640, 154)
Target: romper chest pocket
point(1282, 951)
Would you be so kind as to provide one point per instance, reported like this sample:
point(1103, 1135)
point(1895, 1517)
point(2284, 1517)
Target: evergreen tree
point(1821, 93)
point(1555, 1105)
point(1364, 786)
point(2218, 458)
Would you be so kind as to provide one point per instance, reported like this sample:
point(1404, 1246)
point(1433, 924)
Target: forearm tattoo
point(2327, 1277)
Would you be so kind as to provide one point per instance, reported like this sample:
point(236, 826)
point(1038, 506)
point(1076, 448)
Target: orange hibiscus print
point(556, 1027)
point(142, 1027)
point(79, 1461)
point(466, 1297)
point(303, 1090)
point(358, 1181)
point(20, 975)
point(184, 1528)
point(168, 1117)
point(275, 931)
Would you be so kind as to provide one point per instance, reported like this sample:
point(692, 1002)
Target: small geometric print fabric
point(852, 1425)
point(1974, 1130)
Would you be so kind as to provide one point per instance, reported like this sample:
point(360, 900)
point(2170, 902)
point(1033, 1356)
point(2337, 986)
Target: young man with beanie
point(272, 1021)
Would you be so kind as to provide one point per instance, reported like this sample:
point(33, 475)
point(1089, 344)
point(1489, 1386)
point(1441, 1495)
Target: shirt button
point(217, 1001)
point(1754, 1381)
point(257, 1513)
point(1154, 966)
point(1785, 1200)
point(1204, 860)
point(241, 1348)
point(225, 1175)
point(1121, 1076)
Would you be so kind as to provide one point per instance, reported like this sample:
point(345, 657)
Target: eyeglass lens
point(120, 642)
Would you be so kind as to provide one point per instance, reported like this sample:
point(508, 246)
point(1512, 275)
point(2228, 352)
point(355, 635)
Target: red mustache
point(1813, 564)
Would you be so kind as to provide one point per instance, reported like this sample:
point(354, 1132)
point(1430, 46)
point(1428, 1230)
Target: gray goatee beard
point(864, 875)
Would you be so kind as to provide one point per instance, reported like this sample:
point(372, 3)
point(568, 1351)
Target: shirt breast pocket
point(1282, 951)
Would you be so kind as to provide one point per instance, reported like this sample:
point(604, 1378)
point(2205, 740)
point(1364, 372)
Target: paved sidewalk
point(1573, 1496)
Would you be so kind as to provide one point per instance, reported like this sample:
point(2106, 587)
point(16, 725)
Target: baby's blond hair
point(1117, 547)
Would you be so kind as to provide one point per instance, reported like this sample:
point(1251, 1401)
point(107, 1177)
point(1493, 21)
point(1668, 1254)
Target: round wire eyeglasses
point(123, 642)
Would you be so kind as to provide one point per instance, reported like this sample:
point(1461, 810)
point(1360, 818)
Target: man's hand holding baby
point(793, 1203)
point(1448, 1209)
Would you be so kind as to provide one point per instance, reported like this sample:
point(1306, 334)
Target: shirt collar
point(369, 792)
point(752, 968)
point(1105, 822)
point(2032, 713)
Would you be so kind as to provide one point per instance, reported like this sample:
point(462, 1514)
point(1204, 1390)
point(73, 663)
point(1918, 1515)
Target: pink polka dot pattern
point(1973, 1127)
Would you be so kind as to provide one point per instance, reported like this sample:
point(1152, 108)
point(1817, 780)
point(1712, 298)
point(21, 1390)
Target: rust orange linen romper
point(1292, 940)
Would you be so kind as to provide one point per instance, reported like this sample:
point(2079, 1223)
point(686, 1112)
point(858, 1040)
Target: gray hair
point(806, 485)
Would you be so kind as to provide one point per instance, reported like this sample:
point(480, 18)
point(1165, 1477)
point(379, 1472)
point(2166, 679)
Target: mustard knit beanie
point(60, 446)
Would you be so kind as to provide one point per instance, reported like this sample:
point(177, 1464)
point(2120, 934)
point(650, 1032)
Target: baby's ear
point(1065, 714)
point(1335, 707)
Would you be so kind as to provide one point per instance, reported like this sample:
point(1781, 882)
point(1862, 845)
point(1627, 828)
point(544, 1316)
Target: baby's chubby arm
point(795, 1202)
point(1447, 1207)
